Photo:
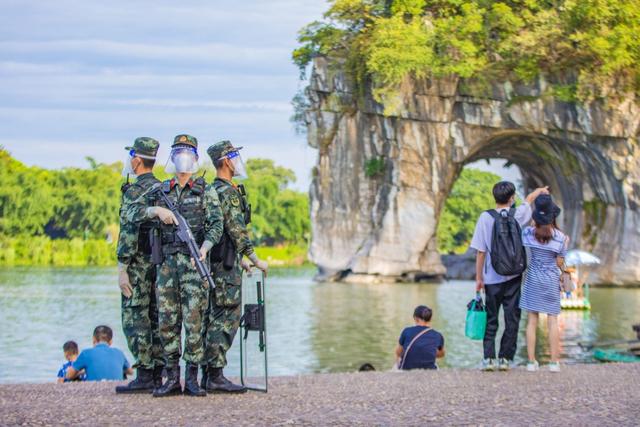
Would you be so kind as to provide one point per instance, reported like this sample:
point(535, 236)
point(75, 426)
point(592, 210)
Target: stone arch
point(382, 227)
point(581, 179)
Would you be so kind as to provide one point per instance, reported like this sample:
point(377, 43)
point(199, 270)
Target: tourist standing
point(541, 289)
point(136, 272)
point(223, 313)
point(501, 290)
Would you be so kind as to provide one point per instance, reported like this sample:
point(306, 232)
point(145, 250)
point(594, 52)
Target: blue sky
point(83, 78)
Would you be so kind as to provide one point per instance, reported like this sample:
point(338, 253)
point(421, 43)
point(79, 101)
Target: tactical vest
point(145, 229)
point(190, 204)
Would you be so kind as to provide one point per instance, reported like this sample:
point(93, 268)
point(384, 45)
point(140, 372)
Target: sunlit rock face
point(381, 181)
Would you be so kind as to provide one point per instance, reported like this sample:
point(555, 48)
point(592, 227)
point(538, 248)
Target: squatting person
point(137, 274)
point(182, 294)
point(223, 313)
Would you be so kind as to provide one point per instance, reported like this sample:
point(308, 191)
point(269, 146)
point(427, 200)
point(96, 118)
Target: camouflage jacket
point(232, 210)
point(213, 222)
point(236, 230)
point(129, 237)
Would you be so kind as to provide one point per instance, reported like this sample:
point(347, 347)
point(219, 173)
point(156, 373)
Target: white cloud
point(84, 78)
point(224, 105)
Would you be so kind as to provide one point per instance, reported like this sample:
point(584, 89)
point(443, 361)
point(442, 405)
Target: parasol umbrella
point(577, 257)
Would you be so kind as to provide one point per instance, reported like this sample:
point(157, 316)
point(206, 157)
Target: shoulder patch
point(235, 200)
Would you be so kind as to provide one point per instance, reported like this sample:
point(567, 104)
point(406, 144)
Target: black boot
point(191, 387)
point(172, 386)
point(142, 384)
point(157, 376)
point(205, 375)
point(217, 383)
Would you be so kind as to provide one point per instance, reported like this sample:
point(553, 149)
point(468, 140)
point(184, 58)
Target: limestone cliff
point(381, 181)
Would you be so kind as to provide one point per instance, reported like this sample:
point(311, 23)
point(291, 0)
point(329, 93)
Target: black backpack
point(508, 256)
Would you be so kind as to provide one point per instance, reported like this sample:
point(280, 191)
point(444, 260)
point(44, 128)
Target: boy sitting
point(70, 349)
point(102, 362)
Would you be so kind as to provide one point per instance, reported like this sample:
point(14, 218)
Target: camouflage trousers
point(140, 316)
point(182, 299)
point(223, 315)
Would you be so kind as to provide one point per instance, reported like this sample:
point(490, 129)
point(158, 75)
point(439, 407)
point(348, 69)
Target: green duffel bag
point(476, 322)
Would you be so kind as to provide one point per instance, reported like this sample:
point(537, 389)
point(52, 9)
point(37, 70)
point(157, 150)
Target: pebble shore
point(579, 395)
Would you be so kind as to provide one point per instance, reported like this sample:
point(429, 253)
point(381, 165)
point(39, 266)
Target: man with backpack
point(500, 262)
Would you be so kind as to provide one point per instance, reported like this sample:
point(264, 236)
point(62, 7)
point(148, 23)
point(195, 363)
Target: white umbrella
point(577, 257)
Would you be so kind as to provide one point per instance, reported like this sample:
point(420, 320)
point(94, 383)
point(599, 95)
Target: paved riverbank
point(579, 395)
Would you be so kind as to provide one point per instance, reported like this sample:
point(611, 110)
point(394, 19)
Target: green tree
point(382, 42)
point(470, 195)
point(279, 215)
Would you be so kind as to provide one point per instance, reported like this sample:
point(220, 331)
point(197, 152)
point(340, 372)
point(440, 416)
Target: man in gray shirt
point(500, 290)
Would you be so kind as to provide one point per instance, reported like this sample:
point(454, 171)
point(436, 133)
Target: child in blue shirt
point(70, 349)
point(102, 362)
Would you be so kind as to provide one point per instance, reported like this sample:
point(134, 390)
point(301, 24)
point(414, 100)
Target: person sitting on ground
point(420, 345)
point(102, 362)
point(70, 349)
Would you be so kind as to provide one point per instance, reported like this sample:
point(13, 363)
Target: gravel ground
point(579, 395)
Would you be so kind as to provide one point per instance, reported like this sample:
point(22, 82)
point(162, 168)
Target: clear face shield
point(183, 159)
point(239, 170)
point(127, 167)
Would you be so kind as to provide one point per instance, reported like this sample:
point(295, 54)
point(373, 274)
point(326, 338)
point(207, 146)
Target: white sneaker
point(503, 364)
point(533, 366)
point(489, 365)
point(554, 367)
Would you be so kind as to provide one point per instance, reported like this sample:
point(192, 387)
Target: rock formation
point(381, 181)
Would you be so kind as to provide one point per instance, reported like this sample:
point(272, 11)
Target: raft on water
point(575, 304)
point(612, 355)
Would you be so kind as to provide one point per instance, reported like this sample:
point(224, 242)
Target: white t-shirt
point(481, 240)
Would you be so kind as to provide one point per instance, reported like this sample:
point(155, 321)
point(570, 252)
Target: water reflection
point(325, 327)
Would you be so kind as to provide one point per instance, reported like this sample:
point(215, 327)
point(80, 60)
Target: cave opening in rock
point(580, 180)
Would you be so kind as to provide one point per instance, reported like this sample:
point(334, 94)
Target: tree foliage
point(280, 215)
point(470, 195)
point(81, 205)
point(386, 41)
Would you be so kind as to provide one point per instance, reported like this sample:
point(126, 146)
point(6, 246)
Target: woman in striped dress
point(546, 246)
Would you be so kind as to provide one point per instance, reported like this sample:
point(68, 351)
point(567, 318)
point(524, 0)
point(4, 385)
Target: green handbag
point(476, 322)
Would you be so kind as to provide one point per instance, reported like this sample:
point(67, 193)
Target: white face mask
point(127, 168)
point(182, 160)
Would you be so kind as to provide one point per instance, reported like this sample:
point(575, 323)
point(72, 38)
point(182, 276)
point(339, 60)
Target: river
point(313, 327)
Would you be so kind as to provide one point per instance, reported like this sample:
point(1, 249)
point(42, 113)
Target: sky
point(84, 78)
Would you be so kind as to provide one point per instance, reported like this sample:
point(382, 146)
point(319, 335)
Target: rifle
point(186, 236)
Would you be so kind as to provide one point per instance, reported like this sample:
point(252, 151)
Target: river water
point(313, 327)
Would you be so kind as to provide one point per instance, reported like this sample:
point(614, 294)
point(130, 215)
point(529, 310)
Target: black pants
point(507, 295)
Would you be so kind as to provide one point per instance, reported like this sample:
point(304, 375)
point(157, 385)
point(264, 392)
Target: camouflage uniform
point(182, 294)
point(223, 314)
point(139, 312)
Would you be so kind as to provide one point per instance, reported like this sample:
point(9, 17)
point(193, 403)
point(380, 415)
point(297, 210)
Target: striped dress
point(541, 284)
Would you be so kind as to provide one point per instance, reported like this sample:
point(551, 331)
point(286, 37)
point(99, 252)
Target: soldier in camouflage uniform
point(182, 294)
point(223, 314)
point(137, 275)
